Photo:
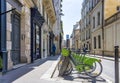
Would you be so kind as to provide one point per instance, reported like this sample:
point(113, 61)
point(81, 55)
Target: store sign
point(67, 36)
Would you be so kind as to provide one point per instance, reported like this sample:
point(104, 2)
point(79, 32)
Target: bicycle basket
point(65, 52)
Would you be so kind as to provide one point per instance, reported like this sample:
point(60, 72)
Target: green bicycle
point(83, 64)
point(64, 65)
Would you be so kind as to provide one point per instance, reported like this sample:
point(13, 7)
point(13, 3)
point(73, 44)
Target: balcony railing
point(112, 19)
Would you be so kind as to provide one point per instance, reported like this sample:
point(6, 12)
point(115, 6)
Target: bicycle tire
point(63, 66)
point(93, 71)
point(69, 69)
point(60, 62)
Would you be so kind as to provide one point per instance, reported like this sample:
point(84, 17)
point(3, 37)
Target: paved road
point(109, 69)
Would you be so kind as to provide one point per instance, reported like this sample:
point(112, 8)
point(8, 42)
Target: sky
point(72, 14)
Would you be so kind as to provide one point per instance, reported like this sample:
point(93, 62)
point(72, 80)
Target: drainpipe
point(32, 33)
point(103, 26)
point(3, 51)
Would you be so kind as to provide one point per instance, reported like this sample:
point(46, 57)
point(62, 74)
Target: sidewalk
point(76, 77)
point(31, 73)
point(41, 71)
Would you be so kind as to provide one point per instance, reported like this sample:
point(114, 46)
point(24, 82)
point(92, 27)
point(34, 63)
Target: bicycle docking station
point(82, 63)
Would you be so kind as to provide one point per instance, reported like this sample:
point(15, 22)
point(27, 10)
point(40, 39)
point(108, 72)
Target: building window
point(93, 22)
point(43, 11)
point(47, 18)
point(89, 19)
point(93, 3)
point(99, 41)
point(94, 42)
point(98, 18)
point(96, 2)
point(86, 35)
point(86, 22)
point(90, 4)
point(89, 33)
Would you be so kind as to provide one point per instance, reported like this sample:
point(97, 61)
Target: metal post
point(32, 32)
point(116, 64)
point(3, 51)
point(94, 53)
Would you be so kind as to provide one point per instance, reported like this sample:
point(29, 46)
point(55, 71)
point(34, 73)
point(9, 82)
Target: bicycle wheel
point(94, 70)
point(63, 66)
point(60, 62)
point(69, 69)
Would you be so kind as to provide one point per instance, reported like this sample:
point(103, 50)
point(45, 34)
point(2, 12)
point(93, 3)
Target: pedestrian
point(53, 49)
point(84, 49)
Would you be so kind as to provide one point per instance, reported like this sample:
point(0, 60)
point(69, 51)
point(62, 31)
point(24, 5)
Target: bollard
point(116, 64)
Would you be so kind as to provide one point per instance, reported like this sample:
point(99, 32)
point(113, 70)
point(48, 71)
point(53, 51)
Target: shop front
point(36, 23)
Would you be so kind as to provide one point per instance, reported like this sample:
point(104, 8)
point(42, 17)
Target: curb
point(14, 68)
point(105, 58)
point(55, 66)
point(50, 72)
point(110, 59)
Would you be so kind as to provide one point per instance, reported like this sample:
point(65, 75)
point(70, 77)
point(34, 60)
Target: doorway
point(15, 35)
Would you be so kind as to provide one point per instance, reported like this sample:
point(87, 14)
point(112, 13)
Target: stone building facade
point(103, 9)
point(85, 25)
point(94, 13)
point(58, 25)
point(75, 37)
point(111, 34)
point(18, 32)
point(29, 31)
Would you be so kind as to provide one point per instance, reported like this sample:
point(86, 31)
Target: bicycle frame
point(83, 64)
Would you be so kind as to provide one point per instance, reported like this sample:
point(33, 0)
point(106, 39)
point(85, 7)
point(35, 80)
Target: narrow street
point(35, 33)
